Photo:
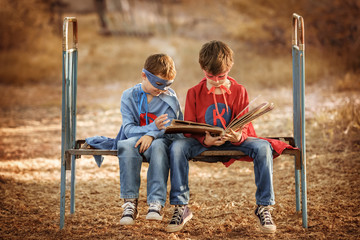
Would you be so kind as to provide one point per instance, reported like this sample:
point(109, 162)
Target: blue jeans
point(130, 161)
point(184, 149)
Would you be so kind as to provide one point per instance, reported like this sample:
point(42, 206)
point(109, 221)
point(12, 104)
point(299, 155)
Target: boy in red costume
point(216, 100)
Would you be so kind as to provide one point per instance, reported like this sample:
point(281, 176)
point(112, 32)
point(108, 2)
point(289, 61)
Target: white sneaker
point(130, 212)
point(154, 212)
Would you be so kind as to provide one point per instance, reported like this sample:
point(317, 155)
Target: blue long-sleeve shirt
point(134, 119)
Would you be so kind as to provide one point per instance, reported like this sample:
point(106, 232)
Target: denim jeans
point(184, 149)
point(130, 161)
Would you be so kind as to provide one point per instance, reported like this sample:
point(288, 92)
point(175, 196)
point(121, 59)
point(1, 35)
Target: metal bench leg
point(62, 192)
point(304, 196)
point(297, 189)
point(73, 182)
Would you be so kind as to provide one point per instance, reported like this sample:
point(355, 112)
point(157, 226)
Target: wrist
point(203, 142)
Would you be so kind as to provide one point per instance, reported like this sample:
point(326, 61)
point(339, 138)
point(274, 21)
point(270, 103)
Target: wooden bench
point(82, 148)
point(72, 149)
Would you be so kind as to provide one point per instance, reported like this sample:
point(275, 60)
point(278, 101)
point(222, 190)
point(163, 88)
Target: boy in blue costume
point(146, 109)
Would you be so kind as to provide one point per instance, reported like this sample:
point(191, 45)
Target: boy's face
point(216, 80)
point(149, 88)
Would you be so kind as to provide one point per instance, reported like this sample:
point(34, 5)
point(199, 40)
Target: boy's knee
point(178, 147)
point(264, 149)
point(126, 145)
point(158, 145)
point(121, 147)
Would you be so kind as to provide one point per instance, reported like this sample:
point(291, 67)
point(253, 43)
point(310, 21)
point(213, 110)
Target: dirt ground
point(222, 199)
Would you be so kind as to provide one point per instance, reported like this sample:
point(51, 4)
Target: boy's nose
point(161, 91)
point(216, 79)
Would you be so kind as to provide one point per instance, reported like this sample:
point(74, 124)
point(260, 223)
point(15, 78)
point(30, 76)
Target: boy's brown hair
point(216, 57)
point(161, 64)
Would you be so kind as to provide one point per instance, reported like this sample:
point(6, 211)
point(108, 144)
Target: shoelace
point(265, 215)
point(223, 90)
point(129, 208)
point(176, 218)
point(155, 207)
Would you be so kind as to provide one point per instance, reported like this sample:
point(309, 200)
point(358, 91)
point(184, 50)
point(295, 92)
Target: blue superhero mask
point(157, 82)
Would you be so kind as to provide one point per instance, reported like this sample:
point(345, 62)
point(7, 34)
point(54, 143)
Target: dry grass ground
point(222, 199)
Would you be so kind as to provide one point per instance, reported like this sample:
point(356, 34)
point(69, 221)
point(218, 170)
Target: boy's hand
point(144, 142)
point(161, 121)
point(232, 136)
point(213, 141)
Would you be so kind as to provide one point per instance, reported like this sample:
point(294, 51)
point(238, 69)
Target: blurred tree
point(22, 21)
point(56, 8)
point(27, 42)
point(330, 25)
point(336, 24)
point(100, 7)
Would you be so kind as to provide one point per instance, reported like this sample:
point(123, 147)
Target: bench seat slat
point(90, 151)
point(209, 156)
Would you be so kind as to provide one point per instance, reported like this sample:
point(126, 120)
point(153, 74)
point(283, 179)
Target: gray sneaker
point(154, 212)
point(181, 215)
point(130, 212)
point(266, 223)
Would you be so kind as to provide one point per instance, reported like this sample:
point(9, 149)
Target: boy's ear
point(143, 76)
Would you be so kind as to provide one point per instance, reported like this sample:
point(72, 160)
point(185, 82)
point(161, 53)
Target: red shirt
point(200, 107)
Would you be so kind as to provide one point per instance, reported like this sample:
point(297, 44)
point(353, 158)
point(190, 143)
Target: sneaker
point(154, 212)
point(181, 215)
point(130, 212)
point(266, 224)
